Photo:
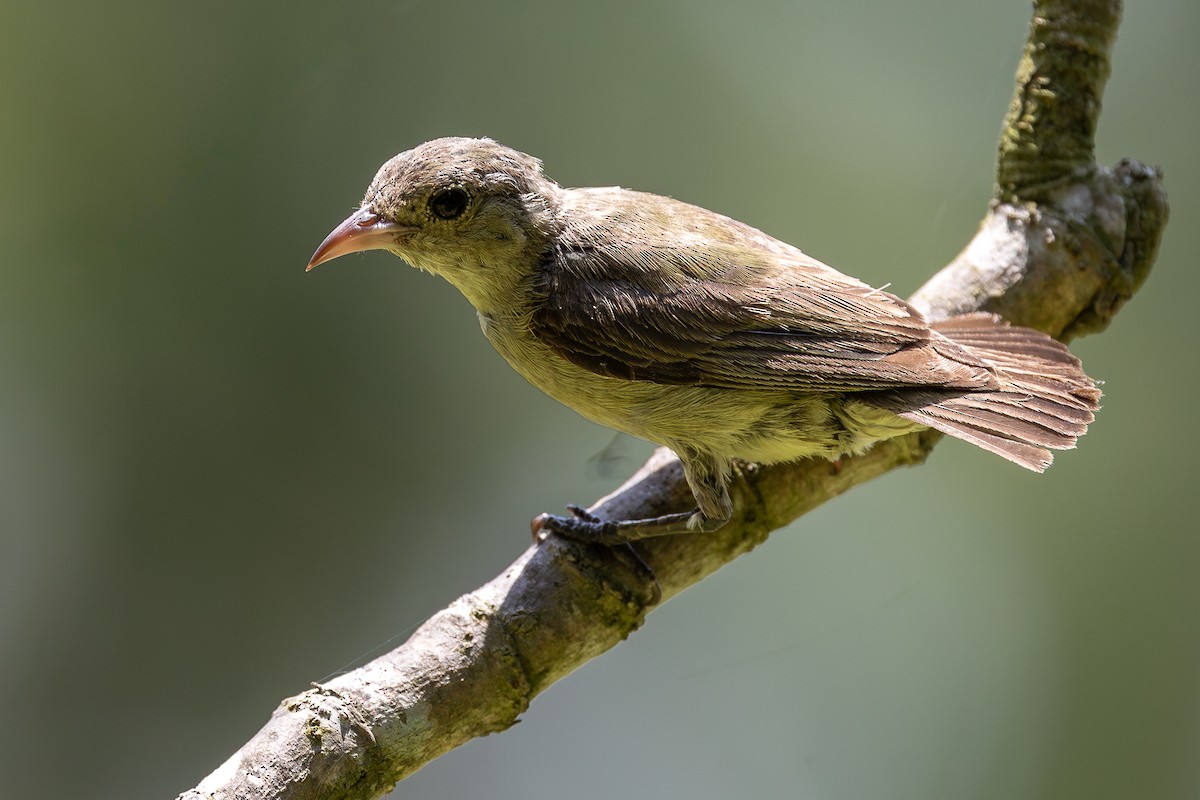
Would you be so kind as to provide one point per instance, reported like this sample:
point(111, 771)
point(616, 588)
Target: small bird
point(679, 325)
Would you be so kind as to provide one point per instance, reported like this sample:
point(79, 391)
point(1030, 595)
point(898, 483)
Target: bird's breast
point(759, 425)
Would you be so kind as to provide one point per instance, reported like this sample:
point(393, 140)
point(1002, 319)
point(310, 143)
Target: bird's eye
point(449, 203)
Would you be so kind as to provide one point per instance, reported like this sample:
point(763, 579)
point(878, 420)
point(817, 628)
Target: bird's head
point(471, 210)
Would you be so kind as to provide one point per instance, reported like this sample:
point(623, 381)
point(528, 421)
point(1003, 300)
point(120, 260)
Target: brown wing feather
point(723, 304)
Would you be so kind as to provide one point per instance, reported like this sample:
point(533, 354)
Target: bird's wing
point(642, 287)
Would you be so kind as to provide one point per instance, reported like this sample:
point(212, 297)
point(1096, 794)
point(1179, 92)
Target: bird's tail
point(1044, 399)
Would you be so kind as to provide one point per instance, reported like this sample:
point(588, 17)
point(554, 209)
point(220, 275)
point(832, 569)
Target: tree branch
point(1063, 245)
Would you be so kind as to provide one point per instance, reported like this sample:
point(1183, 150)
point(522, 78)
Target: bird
point(687, 328)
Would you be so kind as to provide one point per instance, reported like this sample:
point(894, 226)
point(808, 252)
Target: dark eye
point(448, 203)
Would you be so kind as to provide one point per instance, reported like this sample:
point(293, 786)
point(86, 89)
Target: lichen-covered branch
point(1062, 246)
point(1050, 131)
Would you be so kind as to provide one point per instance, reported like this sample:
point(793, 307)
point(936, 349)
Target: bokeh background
point(222, 478)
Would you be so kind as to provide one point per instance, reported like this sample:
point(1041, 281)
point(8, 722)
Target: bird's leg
point(708, 478)
point(585, 527)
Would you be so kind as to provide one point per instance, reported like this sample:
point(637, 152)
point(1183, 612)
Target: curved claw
point(538, 527)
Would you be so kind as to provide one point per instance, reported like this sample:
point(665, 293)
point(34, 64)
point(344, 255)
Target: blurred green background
point(222, 478)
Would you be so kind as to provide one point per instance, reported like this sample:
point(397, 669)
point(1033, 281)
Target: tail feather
point(1002, 422)
point(1027, 455)
point(1043, 400)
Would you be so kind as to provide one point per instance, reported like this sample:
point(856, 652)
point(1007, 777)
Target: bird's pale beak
point(362, 230)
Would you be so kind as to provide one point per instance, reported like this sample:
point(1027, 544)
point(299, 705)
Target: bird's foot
point(585, 527)
point(581, 526)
